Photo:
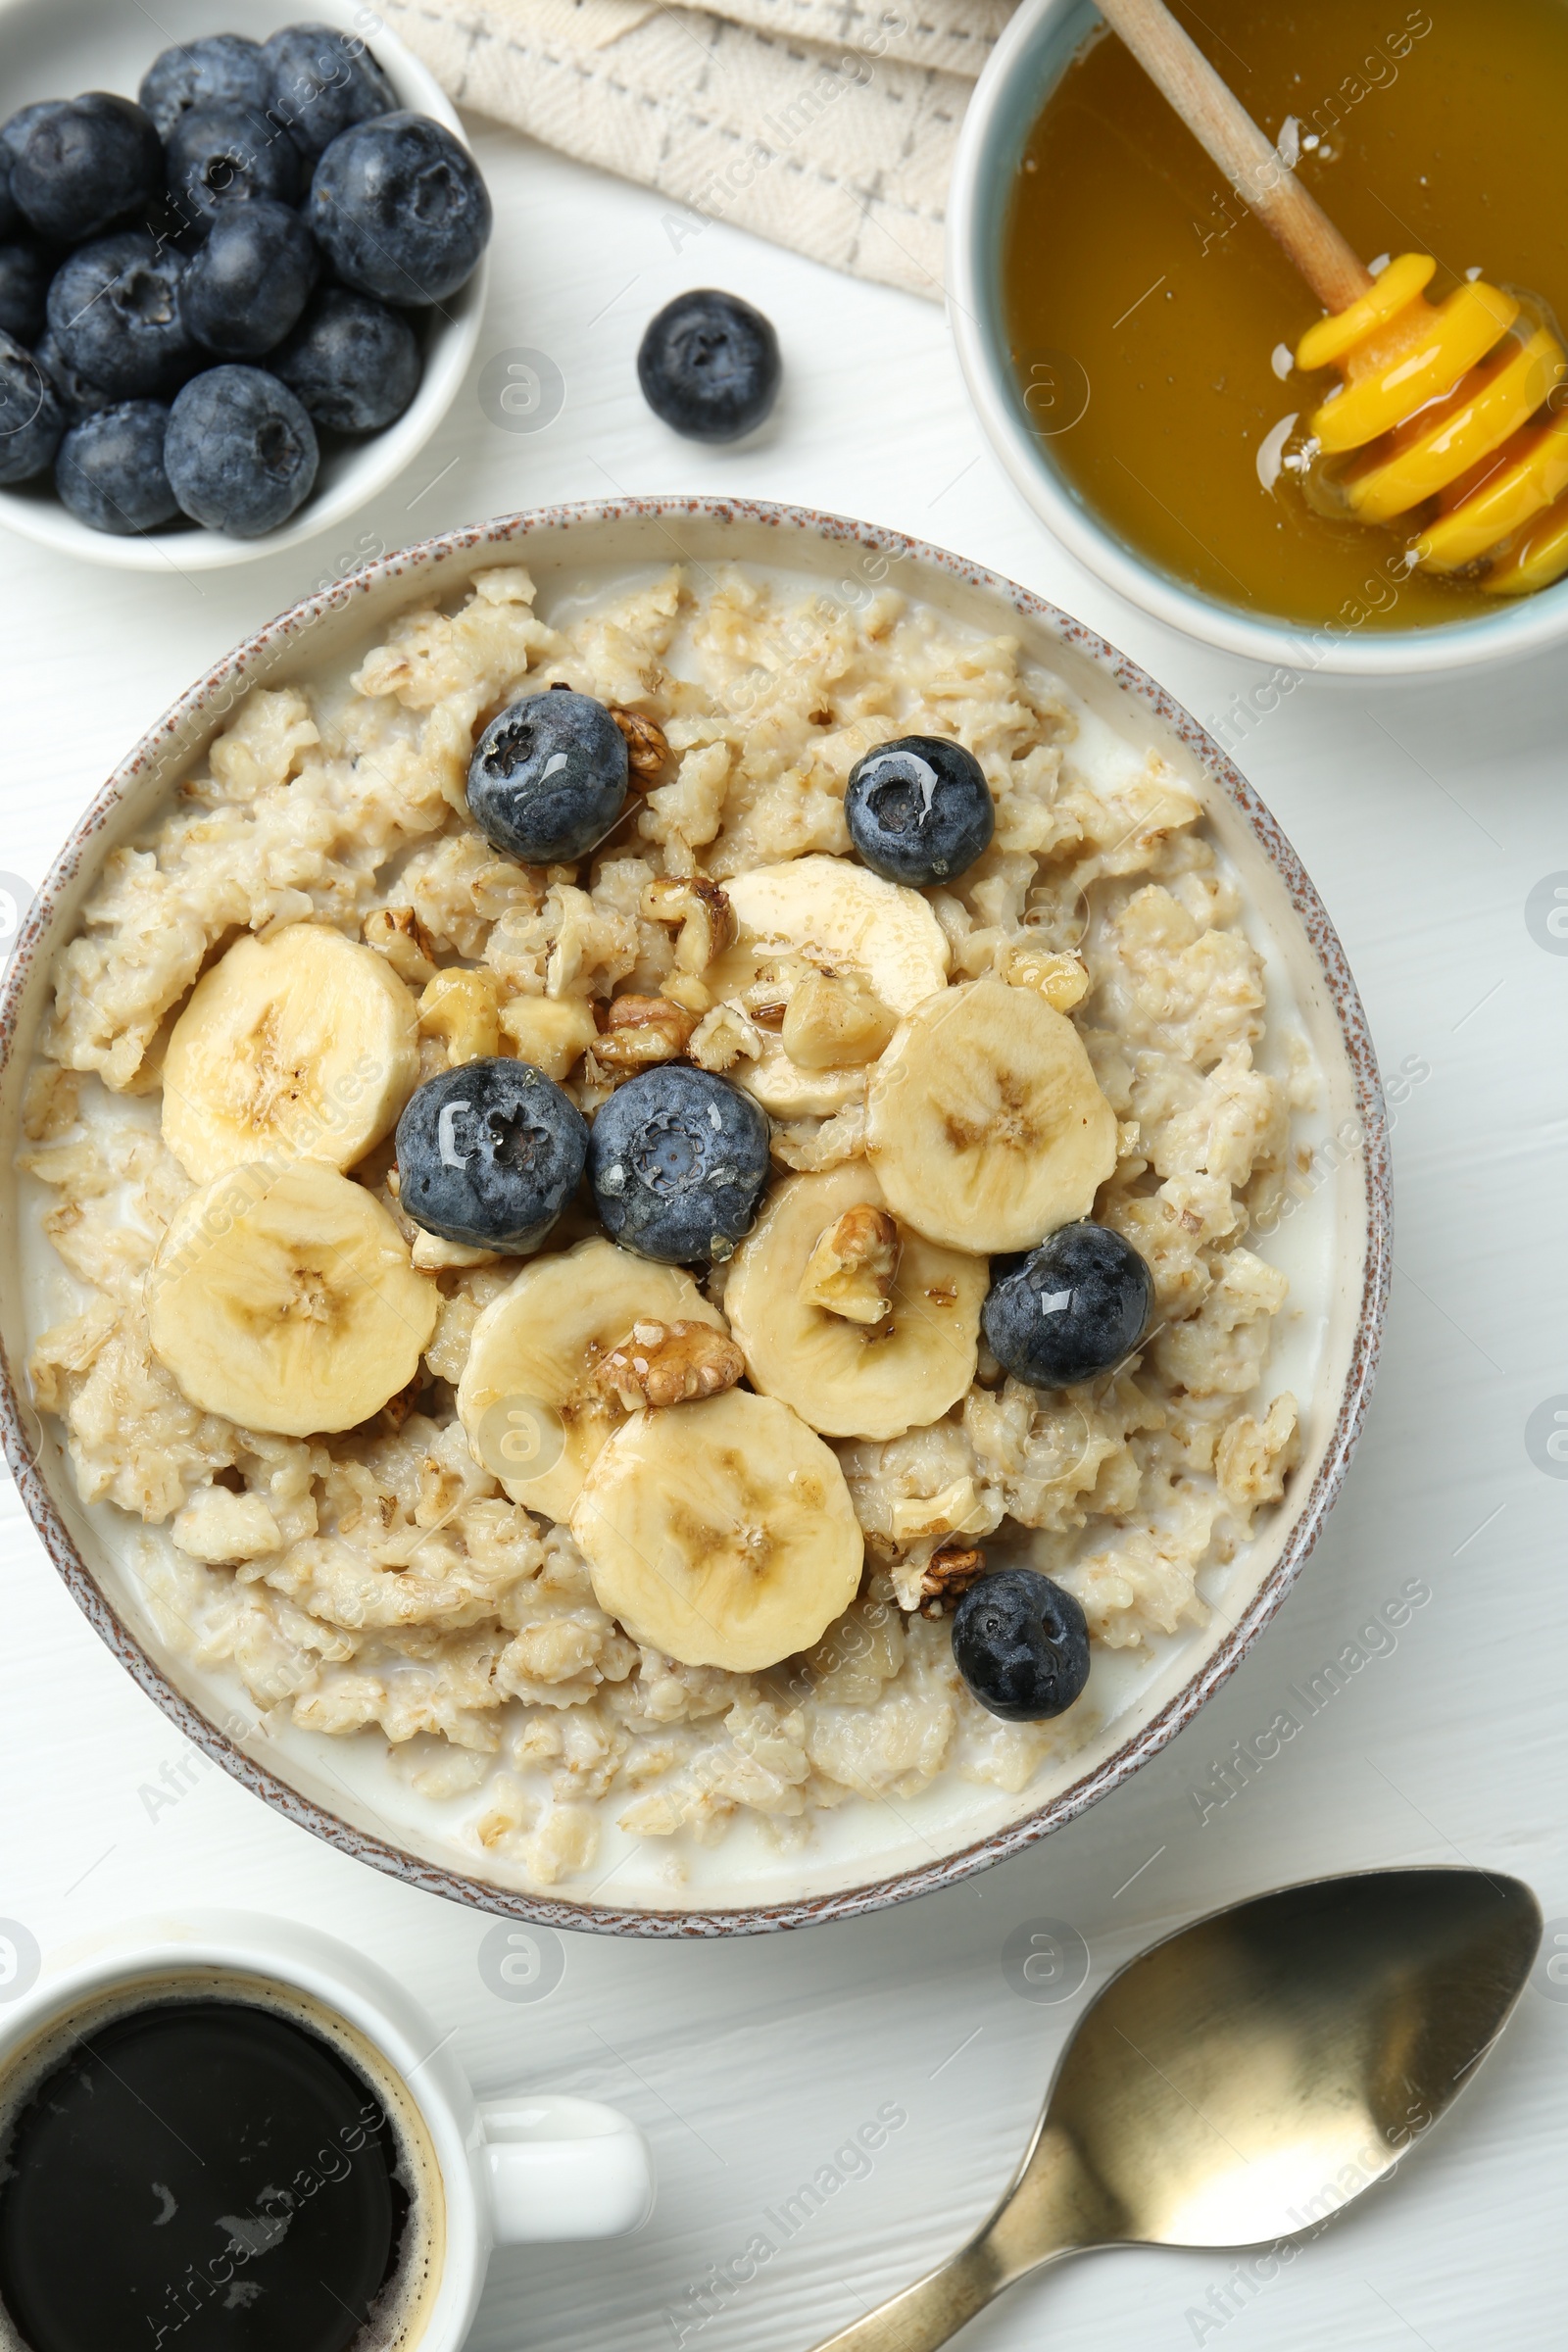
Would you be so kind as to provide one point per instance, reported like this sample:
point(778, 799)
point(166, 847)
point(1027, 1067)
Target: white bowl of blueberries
point(232, 307)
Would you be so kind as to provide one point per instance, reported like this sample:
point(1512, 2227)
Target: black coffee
point(200, 2175)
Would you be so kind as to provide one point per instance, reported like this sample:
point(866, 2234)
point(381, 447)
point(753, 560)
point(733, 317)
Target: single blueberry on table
point(78, 396)
point(323, 82)
point(489, 1154)
point(114, 313)
point(24, 275)
point(710, 366)
point(32, 421)
point(677, 1160)
point(920, 810)
point(352, 362)
point(85, 165)
point(225, 70)
point(110, 469)
point(1021, 1643)
point(17, 128)
point(1076, 1306)
point(247, 285)
point(223, 155)
point(398, 207)
point(241, 452)
point(548, 777)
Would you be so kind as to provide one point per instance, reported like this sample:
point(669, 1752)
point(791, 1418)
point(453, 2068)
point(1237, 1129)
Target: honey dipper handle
point(1218, 121)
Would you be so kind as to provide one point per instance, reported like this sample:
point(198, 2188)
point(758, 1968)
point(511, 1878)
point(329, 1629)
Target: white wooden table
point(1427, 818)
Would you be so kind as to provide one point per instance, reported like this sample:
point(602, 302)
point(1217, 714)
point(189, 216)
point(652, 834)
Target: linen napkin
point(827, 125)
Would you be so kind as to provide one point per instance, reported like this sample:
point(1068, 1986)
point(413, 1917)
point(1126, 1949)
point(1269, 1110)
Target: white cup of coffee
point(236, 2061)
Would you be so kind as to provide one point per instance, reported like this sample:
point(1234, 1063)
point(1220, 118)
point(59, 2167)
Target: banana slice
point(842, 916)
point(984, 1120)
point(301, 1046)
point(785, 1091)
point(528, 1400)
point(722, 1533)
point(282, 1296)
point(851, 1378)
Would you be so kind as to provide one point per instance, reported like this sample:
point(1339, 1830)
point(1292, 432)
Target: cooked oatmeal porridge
point(456, 1500)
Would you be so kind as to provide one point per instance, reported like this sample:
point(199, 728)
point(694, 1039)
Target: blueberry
point(114, 313)
point(548, 777)
point(78, 396)
point(246, 286)
point(399, 208)
point(24, 275)
point(677, 1160)
point(110, 469)
point(11, 225)
point(87, 165)
point(17, 128)
point(222, 155)
point(1074, 1308)
point(226, 70)
point(489, 1154)
point(1021, 1643)
point(710, 366)
point(31, 417)
point(322, 83)
point(241, 451)
point(354, 365)
point(920, 810)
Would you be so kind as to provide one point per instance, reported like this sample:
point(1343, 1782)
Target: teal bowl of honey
point(1126, 328)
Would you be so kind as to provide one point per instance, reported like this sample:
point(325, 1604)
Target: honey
point(1151, 318)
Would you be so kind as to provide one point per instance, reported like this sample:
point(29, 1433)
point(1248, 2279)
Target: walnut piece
point(667, 1363)
point(551, 1032)
point(703, 912)
point(722, 1036)
point(949, 1573)
point(832, 1023)
point(1062, 979)
point(640, 1030)
point(460, 1009)
point(851, 1270)
point(646, 748)
point(397, 933)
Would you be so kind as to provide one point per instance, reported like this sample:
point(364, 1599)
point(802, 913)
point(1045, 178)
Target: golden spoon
point(1243, 2080)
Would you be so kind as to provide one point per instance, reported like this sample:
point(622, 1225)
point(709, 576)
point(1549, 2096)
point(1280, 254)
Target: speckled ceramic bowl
point(1335, 1248)
point(54, 48)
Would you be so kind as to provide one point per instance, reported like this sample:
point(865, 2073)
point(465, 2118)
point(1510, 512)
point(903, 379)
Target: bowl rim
point(1523, 626)
point(374, 462)
point(254, 660)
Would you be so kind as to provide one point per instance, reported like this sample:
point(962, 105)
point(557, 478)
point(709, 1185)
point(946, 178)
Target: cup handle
point(561, 2168)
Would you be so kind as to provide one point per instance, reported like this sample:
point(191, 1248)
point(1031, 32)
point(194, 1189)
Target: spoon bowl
point(1246, 2077)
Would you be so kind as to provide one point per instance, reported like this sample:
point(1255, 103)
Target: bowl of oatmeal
point(445, 1602)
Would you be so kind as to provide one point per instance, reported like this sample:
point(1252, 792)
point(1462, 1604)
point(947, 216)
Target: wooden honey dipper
point(1442, 425)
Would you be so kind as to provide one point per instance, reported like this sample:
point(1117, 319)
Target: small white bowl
point(1031, 56)
point(57, 48)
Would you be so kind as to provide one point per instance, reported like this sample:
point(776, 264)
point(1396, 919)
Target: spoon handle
point(931, 2311)
point(1048, 2211)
